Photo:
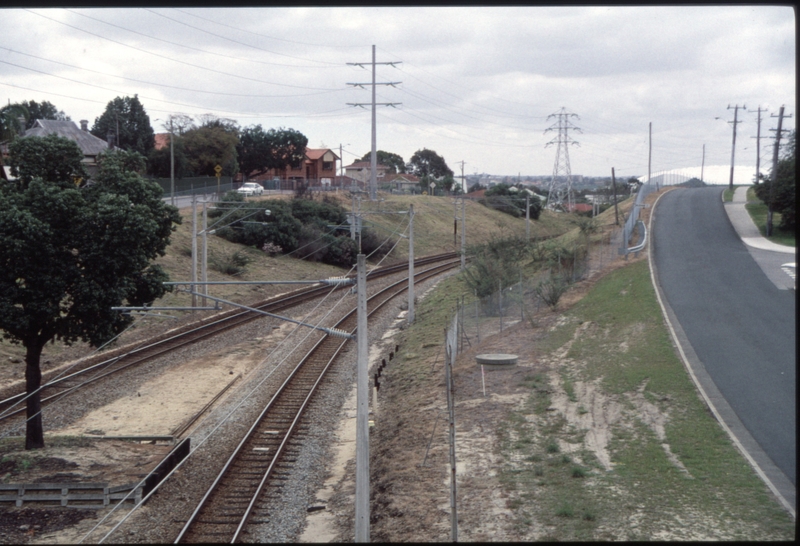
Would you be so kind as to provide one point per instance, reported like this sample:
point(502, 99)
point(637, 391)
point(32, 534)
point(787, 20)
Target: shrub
point(229, 262)
point(551, 290)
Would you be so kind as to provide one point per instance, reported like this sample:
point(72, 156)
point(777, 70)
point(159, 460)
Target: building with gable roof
point(90, 145)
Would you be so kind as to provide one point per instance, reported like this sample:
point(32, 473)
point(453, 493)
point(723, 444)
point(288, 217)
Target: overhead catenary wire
point(180, 61)
point(256, 388)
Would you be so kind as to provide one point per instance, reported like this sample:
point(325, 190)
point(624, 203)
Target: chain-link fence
point(479, 318)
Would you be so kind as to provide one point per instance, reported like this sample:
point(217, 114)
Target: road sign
point(218, 169)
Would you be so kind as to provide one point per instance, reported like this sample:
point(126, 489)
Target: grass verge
point(674, 474)
point(758, 212)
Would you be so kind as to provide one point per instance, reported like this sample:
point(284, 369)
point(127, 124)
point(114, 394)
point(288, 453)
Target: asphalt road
point(740, 325)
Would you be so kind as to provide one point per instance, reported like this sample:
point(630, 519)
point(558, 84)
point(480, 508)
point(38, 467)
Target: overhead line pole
point(780, 117)
point(758, 142)
point(703, 163)
point(733, 146)
point(362, 409)
point(410, 315)
point(373, 183)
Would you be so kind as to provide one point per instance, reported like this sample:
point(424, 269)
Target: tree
point(511, 200)
point(179, 123)
point(51, 158)
point(781, 196)
point(13, 119)
point(394, 162)
point(43, 110)
point(259, 151)
point(213, 143)
point(126, 118)
point(159, 161)
point(69, 254)
point(428, 163)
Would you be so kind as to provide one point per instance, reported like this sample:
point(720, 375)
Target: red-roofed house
point(317, 169)
point(161, 140)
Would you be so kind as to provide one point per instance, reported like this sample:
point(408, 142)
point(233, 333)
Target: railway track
point(235, 499)
point(99, 368)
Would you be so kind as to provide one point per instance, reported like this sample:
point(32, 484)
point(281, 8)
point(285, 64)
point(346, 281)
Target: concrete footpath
point(745, 227)
point(776, 261)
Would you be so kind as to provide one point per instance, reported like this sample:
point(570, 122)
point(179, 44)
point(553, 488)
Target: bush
point(229, 262)
point(373, 245)
point(551, 290)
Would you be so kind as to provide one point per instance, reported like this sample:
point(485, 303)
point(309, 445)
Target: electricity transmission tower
point(559, 196)
point(373, 183)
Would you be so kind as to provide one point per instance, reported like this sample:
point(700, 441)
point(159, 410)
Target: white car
point(251, 188)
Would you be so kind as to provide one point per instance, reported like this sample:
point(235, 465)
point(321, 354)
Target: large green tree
point(43, 110)
point(51, 158)
point(127, 119)
point(511, 200)
point(159, 161)
point(781, 196)
point(427, 163)
point(68, 254)
point(259, 151)
point(394, 162)
point(213, 143)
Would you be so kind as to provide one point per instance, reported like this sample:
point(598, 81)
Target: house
point(401, 182)
point(161, 140)
point(90, 145)
point(361, 170)
point(318, 168)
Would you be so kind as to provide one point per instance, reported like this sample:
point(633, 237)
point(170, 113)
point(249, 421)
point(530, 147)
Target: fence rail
point(76, 495)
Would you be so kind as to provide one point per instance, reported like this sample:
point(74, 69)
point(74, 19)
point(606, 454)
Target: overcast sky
point(476, 84)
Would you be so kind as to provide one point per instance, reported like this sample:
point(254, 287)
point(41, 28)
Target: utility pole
point(362, 409)
point(410, 315)
point(463, 233)
point(733, 147)
point(463, 180)
point(616, 210)
point(650, 151)
point(780, 117)
point(373, 183)
point(205, 252)
point(561, 192)
point(171, 164)
point(455, 223)
point(528, 217)
point(194, 249)
point(703, 163)
point(758, 143)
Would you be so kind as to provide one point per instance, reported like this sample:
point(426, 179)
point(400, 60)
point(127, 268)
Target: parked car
point(251, 188)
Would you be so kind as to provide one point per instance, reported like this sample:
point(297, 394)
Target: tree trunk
point(34, 431)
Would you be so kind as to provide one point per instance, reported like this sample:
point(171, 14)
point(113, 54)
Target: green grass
point(758, 212)
point(628, 347)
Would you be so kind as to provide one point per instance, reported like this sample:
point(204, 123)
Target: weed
point(538, 471)
point(552, 447)
point(588, 516)
point(551, 290)
point(566, 459)
point(578, 472)
point(565, 510)
point(569, 388)
point(229, 262)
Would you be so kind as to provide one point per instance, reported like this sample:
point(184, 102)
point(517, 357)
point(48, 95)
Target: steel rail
point(203, 331)
point(240, 451)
